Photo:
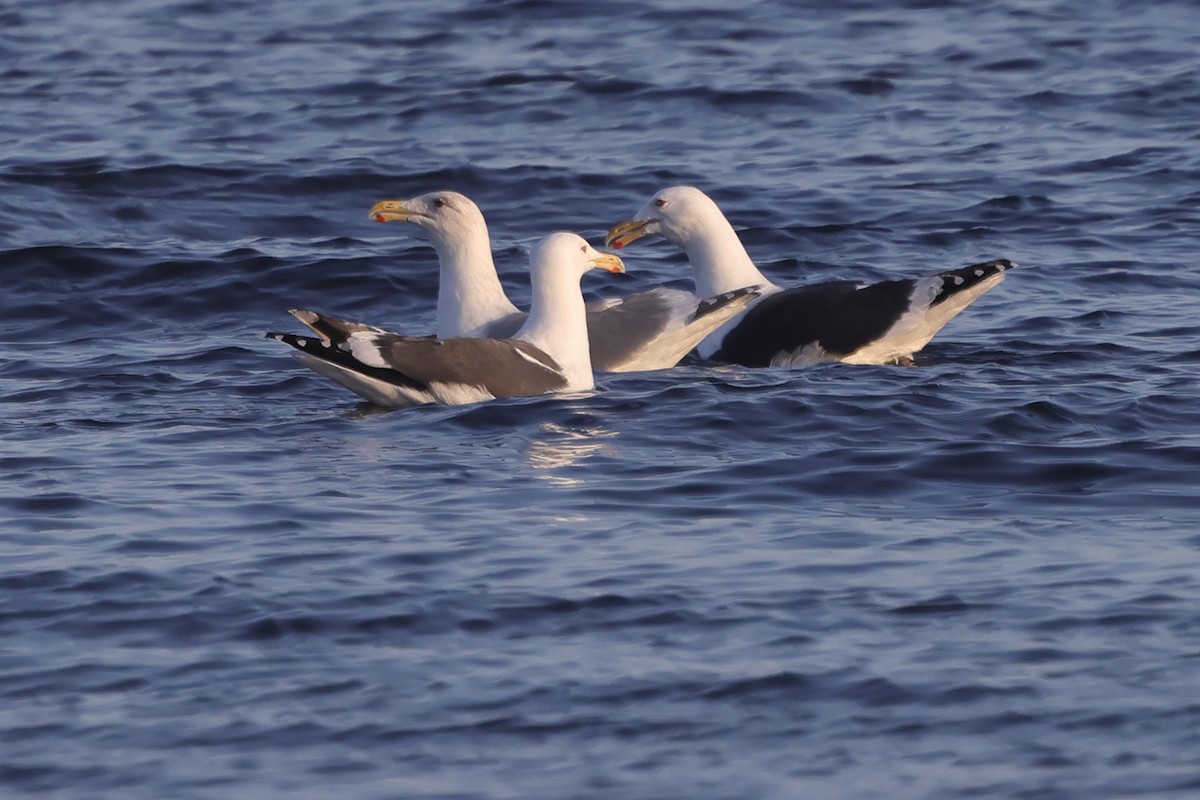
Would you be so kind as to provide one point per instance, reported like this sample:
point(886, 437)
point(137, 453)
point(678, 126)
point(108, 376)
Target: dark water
point(222, 577)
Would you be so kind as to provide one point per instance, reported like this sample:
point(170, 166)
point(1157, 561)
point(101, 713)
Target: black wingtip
point(298, 342)
point(966, 278)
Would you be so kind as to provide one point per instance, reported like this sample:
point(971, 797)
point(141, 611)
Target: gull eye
point(660, 202)
point(583, 248)
point(440, 202)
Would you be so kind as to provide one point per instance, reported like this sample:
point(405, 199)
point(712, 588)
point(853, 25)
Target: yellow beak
point(609, 262)
point(391, 211)
point(625, 232)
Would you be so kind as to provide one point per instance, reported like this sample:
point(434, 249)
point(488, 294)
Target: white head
point(678, 213)
point(569, 253)
point(445, 217)
point(689, 219)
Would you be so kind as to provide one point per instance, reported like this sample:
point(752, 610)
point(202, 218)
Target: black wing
point(837, 316)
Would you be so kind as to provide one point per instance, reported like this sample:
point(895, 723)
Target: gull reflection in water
point(557, 447)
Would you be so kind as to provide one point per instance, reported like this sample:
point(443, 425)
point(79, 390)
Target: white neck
point(557, 325)
point(470, 296)
point(719, 261)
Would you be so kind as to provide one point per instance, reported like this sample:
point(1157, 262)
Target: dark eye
point(583, 249)
point(439, 203)
point(660, 202)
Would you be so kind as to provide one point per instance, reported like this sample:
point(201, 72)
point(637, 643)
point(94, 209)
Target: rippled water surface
point(225, 577)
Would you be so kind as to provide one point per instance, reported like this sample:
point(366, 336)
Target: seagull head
point(570, 251)
point(442, 215)
point(677, 213)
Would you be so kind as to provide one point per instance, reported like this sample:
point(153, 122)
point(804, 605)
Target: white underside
point(459, 394)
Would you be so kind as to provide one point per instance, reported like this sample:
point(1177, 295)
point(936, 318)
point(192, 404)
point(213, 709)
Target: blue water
point(224, 577)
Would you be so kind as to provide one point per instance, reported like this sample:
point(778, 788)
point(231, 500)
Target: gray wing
point(657, 328)
point(501, 367)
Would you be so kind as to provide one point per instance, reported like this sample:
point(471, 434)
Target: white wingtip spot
point(978, 273)
point(959, 280)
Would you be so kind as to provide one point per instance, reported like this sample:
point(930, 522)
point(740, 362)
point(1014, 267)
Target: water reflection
point(556, 447)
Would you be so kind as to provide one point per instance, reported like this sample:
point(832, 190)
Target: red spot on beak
point(618, 244)
point(380, 218)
